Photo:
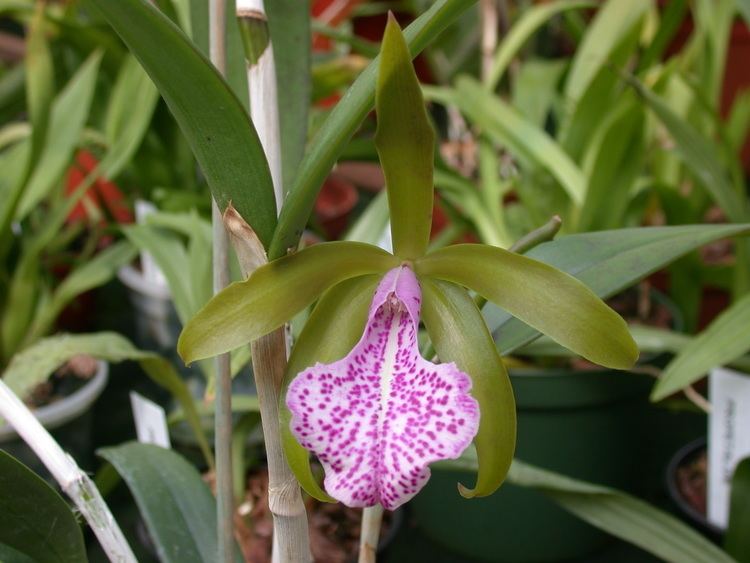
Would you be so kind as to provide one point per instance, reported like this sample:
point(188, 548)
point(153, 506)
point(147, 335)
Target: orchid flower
point(357, 393)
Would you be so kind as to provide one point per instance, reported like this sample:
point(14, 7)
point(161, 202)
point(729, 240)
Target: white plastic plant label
point(150, 421)
point(728, 437)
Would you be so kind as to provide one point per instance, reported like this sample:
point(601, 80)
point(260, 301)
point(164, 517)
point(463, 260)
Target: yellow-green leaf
point(273, 294)
point(551, 301)
point(405, 142)
point(458, 332)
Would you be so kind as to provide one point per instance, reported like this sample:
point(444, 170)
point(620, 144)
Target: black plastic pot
point(684, 456)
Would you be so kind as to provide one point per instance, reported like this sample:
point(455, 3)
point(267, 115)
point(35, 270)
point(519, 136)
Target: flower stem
point(372, 518)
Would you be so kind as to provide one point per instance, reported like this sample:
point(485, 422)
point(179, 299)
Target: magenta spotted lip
point(378, 417)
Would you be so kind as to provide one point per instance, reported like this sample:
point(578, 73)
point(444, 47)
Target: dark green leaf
point(406, 144)
point(737, 539)
point(458, 332)
point(698, 153)
point(210, 115)
point(273, 294)
point(608, 262)
point(178, 507)
point(333, 328)
point(551, 301)
point(615, 512)
point(34, 519)
point(290, 35)
point(343, 121)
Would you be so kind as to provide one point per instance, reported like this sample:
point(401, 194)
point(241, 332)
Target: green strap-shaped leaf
point(724, 340)
point(459, 335)
point(406, 143)
point(69, 113)
point(737, 539)
point(40, 87)
point(613, 511)
point(343, 121)
point(34, 519)
point(211, 117)
point(698, 153)
point(36, 364)
point(504, 125)
point(177, 505)
point(333, 328)
point(273, 294)
point(290, 34)
point(530, 21)
point(40, 81)
point(547, 299)
point(608, 262)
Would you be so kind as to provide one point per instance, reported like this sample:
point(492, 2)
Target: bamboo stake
point(291, 542)
point(372, 518)
point(489, 16)
point(66, 472)
point(262, 87)
point(223, 417)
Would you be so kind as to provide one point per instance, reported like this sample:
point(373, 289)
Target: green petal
point(247, 310)
point(334, 327)
point(458, 332)
point(405, 142)
point(551, 301)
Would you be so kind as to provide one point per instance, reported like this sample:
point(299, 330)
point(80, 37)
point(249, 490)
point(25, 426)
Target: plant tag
point(728, 437)
point(150, 421)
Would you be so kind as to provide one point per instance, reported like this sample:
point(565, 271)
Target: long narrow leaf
point(211, 117)
point(530, 21)
point(608, 262)
point(176, 504)
point(725, 339)
point(34, 519)
point(615, 512)
point(290, 33)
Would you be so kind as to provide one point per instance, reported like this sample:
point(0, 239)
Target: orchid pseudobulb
point(377, 417)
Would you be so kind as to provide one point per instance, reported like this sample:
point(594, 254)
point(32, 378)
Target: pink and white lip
point(378, 417)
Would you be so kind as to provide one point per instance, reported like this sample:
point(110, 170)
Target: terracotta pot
point(335, 202)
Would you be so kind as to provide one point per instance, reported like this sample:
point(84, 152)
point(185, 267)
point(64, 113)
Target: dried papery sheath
point(379, 416)
point(261, 78)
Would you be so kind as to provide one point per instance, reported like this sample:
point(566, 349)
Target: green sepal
point(273, 294)
point(458, 332)
point(551, 301)
point(333, 328)
point(405, 142)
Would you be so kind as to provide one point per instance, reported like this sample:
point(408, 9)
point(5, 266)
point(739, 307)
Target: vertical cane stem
point(223, 417)
point(372, 518)
point(291, 542)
